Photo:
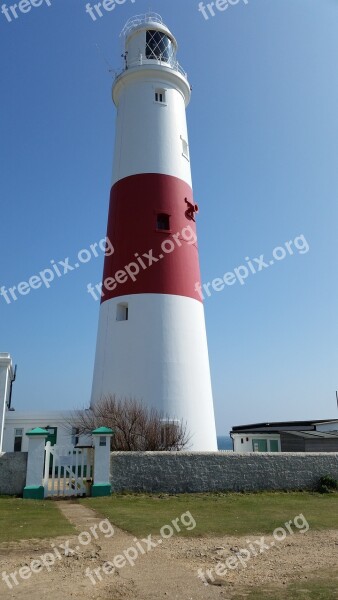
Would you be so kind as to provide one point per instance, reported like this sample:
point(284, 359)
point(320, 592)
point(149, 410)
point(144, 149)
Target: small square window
point(185, 148)
point(163, 222)
point(103, 440)
point(122, 312)
point(160, 96)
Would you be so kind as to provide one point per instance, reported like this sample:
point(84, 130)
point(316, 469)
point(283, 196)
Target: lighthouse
point(152, 343)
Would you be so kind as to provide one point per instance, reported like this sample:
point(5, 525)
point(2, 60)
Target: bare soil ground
point(168, 571)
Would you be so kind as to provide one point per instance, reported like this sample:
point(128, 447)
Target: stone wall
point(13, 466)
point(223, 471)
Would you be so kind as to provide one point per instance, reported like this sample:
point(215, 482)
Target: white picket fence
point(68, 470)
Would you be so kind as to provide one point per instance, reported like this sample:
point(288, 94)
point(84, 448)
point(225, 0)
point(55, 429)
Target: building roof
point(287, 426)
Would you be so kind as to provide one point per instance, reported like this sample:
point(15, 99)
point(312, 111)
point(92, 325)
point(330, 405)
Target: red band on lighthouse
point(154, 237)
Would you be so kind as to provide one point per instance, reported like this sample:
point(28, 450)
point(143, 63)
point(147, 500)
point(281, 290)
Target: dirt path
point(168, 571)
point(153, 576)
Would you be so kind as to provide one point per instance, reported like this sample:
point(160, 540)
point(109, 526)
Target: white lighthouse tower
point(151, 342)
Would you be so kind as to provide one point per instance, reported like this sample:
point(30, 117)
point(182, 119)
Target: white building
point(287, 436)
point(15, 424)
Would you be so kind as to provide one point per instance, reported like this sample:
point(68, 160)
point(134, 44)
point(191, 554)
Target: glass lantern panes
point(159, 46)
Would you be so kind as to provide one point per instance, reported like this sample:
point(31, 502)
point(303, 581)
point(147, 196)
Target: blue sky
point(263, 126)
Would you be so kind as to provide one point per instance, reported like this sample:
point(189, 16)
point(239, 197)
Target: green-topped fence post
point(36, 453)
point(101, 485)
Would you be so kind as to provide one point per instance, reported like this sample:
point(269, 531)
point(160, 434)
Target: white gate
point(68, 470)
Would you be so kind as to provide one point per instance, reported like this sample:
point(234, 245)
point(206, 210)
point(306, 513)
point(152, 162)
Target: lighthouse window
point(185, 148)
point(160, 96)
point(159, 46)
point(122, 312)
point(163, 222)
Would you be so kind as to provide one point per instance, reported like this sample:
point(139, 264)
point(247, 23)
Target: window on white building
point(274, 446)
point(18, 435)
point(260, 445)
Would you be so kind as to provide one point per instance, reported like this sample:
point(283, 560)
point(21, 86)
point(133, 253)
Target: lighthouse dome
point(148, 40)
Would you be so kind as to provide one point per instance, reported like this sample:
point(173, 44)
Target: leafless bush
point(136, 428)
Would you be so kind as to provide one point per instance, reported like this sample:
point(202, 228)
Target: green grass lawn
point(323, 586)
point(217, 514)
point(142, 514)
point(26, 519)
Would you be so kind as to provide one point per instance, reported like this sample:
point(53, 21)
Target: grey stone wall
point(13, 466)
point(223, 471)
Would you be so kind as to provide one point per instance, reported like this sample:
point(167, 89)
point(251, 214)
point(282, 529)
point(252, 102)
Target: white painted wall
point(148, 133)
point(247, 445)
point(28, 421)
point(6, 376)
point(164, 345)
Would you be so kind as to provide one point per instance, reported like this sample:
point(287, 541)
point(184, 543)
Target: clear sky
point(263, 125)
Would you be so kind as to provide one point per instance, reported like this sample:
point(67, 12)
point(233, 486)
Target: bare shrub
point(136, 428)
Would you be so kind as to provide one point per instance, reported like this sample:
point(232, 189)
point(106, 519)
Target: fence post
point(36, 453)
point(101, 485)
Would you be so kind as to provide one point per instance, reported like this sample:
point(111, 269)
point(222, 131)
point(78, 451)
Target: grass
point(217, 514)
point(144, 514)
point(323, 586)
point(27, 519)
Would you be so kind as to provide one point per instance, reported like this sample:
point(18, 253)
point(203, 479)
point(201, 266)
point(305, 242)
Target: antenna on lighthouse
point(110, 68)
